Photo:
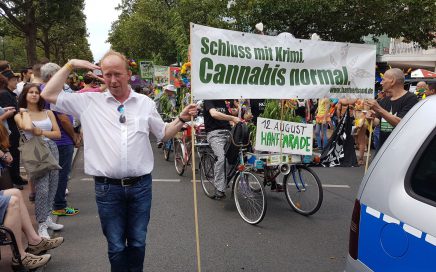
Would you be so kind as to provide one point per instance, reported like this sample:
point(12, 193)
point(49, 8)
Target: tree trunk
point(30, 32)
point(46, 43)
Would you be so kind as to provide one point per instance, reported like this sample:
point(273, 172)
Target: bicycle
point(301, 185)
point(167, 146)
point(247, 190)
point(182, 146)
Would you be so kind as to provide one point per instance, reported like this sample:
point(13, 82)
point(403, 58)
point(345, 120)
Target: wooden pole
point(282, 104)
point(194, 182)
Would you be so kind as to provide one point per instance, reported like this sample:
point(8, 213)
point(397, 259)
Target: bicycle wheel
point(178, 157)
point(168, 145)
point(250, 200)
point(303, 190)
point(207, 176)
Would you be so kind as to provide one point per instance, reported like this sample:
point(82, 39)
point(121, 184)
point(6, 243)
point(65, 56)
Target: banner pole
point(194, 182)
point(282, 104)
point(369, 145)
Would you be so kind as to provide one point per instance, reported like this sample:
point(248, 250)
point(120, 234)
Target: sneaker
point(44, 245)
point(52, 225)
point(159, 144)
point(68, 211)
point(219, 195)
point(31, 261)
point(42, 230)
point(66, 191)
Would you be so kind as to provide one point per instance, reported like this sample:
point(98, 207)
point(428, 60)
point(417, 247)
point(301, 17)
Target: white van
point(393, 226)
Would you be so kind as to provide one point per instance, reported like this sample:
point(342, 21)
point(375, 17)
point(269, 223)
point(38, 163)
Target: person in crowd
point(322, 120)
point(4, 65)
point(362, 126)
point(36, 69)
point(421, 88)
point(14, 215)
point(431, 90)
point(89, 80)
point(9, 99)
point(391, 109)
point(5, 159)
point(65, 145)
point(123, 120)
point(34, 120)
point(26, 76)
point(169, 92)
point(380, 96)
point(217, 120)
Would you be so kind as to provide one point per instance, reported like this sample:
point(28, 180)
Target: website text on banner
point(296, 137)
point(230, 64)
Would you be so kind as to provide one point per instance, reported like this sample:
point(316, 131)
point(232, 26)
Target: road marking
point(166, 180)
point(198, 181)
point(335, 186)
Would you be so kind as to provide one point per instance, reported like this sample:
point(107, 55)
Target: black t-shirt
point(210, 123)
point(399, 108)
point(257, 108)
point(9, 99)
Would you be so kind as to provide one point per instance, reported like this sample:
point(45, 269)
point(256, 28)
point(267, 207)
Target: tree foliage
point(57, 27)
point(159, 29)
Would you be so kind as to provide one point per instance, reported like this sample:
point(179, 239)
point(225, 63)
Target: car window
point(423, 176)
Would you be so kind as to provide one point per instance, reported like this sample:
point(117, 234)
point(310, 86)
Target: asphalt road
point(283, 241)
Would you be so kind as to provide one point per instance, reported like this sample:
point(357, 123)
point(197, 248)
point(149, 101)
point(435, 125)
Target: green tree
point(57, 27)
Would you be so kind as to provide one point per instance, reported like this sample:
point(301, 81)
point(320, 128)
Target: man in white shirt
point(116, 127)
point(26, 76)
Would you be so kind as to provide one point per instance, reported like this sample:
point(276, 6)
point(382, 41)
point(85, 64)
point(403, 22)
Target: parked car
point(393, 225)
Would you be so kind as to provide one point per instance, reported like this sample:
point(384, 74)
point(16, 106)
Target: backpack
point(240, 135)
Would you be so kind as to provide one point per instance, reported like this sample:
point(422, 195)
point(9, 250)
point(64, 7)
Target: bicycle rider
point(169, 91)
point(217, 118)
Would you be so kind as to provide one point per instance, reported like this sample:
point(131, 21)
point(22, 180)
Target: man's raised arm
point(56, 83)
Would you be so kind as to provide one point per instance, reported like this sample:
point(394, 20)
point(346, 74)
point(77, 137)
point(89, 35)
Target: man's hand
point(236, 120)
point(188, 111)
point(373, 105)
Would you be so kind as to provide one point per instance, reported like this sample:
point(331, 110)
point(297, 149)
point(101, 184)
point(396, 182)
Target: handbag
point(36, 157)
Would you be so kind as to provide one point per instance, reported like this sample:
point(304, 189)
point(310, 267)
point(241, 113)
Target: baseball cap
point(170, 87)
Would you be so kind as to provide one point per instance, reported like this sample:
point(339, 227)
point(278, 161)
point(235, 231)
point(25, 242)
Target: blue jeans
point(65, 160)
point(321, 129)
point(124, 214)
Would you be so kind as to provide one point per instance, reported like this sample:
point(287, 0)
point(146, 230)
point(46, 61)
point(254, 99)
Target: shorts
point(4, 203)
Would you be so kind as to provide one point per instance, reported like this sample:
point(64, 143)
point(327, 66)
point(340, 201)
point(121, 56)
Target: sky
point(99, 18)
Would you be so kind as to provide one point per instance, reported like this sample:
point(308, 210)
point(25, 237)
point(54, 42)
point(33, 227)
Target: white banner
point(229, 64)
point(296, 138)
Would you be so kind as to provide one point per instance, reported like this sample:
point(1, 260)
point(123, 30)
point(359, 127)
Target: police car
point(393, 225)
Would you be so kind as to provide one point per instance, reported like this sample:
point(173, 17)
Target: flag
point(340, 148)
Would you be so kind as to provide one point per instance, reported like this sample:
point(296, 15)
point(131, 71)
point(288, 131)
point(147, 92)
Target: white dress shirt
point(114, 149)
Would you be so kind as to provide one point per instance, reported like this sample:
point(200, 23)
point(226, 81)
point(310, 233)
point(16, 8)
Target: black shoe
point(219, 195)
point(159, 144)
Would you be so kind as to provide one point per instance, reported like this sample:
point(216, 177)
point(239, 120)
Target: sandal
point(31, 261)
point(44, 245)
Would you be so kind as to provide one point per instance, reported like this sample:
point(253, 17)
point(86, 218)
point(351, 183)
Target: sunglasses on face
point(122, 118)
